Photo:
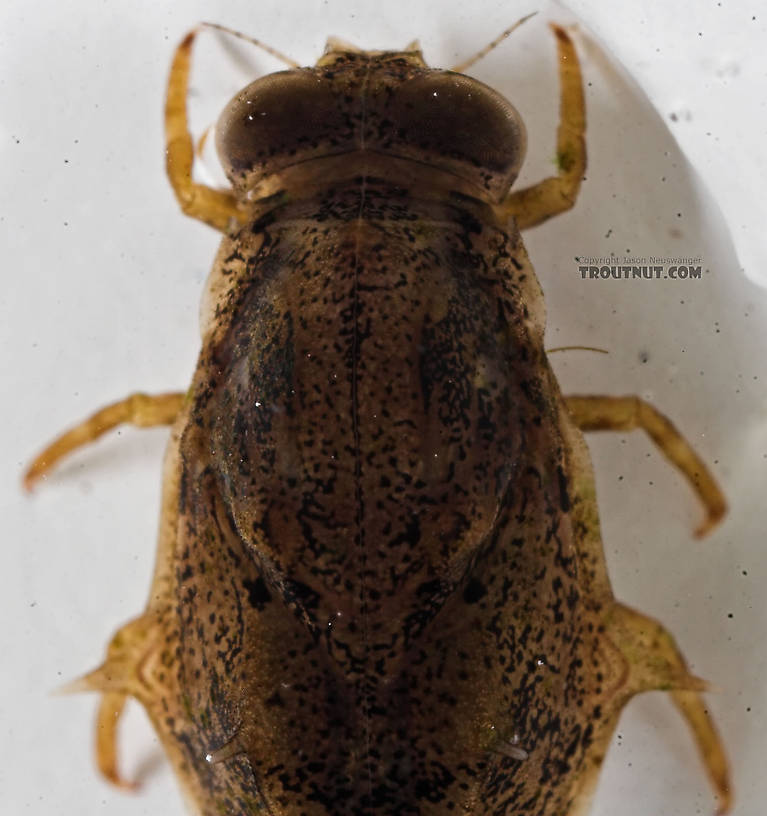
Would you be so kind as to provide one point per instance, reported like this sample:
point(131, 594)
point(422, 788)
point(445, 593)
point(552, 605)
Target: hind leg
point(655, 663)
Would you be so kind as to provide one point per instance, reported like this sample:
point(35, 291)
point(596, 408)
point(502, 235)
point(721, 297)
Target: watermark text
point(650, 268)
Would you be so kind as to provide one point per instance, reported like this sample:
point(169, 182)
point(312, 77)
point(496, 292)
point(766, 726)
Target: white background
point(102, 275)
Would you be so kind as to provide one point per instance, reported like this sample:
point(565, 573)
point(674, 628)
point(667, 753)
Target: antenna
point(462, 66)
point(263, 46)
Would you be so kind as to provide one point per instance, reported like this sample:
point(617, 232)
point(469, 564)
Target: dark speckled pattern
point(380, 586)
point(377, 590)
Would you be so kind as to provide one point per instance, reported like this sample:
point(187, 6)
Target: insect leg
point(141, 410)
point(655, 662)
point(215, 207)
point(130, 670)
point(598, 413)
point(694, 709)
point(532, 205)
point(110, 711)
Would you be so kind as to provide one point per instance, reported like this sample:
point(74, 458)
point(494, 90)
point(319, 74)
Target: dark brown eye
point(281, 119)
point(456, 123)
point(435, 119)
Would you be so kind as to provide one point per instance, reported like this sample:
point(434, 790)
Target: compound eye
point(460, 124)
point(280, 119)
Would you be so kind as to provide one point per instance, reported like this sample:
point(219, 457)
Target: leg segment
point(695, 711)
point(655, 663)
point(130, 670)
point(554, 195)
point(110, 711)
point(630, 413)
point(214, 207)
point(141, 410)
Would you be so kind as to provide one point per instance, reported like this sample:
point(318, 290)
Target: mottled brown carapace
point(380, 585)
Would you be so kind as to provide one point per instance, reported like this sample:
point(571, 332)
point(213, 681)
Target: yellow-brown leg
point(130, 670)
point(532, 205)
point(648, 660)
point(141, 410)
point(629, 413)
point(218, 208)
point(694, 709)
point(110, 711)
point(655, 663)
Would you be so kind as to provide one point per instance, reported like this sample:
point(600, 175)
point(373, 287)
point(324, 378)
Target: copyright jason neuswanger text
point(645, 268)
